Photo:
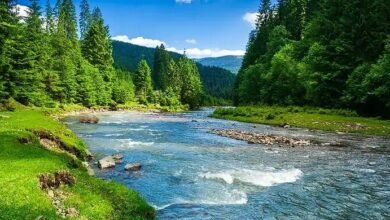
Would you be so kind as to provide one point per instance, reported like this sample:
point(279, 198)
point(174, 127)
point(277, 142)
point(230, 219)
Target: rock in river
point(133, 167)
point(107, 162)
point(110, 161)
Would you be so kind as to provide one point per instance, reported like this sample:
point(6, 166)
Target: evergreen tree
point(49, 20)
point(31, 68)
point(191, 91)
point(97, 49)
point(9, 35)
point(85, 18)
point(66, 54)
point(161, 68)
point(96, 46)
point(143, 82)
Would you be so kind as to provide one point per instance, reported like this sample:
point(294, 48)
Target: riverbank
point(43, 175)
point(305, 117)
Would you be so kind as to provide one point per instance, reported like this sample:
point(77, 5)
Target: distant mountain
point(217, 81)
point(231, 63)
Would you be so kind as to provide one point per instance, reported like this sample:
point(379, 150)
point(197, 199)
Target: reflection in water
point(192, 174)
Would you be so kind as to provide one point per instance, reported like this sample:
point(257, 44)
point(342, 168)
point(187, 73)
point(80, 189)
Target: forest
point(50, 58)
point(217, 82)
point(325, 53)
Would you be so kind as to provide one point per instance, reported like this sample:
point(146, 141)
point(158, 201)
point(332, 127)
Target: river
point(189, 173)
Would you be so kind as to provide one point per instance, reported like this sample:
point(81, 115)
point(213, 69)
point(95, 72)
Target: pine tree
point(97, 49)
point(9, 34)
point(49, 20)
point(66, 54)
point(85, 18)
point(143, 82)
point(31, 69)
point(96, 46)
point(160, 68)
point(191, 91)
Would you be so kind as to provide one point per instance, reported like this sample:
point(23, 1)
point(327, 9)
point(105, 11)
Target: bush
point(270, 116)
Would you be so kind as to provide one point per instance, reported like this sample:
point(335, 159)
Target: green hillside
point(217, 82)
point(231, 63)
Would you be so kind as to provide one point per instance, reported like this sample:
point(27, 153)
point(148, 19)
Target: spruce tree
point(97, 49)
point(160, 68)
point(191, 91)
point(143, 82)
point(49, 19)
point(85, 18)
point(66, 55)
point(9, 34)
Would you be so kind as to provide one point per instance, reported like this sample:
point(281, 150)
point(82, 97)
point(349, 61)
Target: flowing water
point(189, 173)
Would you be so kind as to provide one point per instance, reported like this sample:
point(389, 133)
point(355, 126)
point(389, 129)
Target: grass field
point(21, 163)
point(307, 117)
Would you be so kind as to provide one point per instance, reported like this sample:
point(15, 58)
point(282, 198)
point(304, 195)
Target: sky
point(205, 28)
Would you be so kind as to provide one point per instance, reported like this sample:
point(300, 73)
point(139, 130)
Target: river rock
point(89, 119)
point(107, 162)
point(133, 167)
point(118, 158)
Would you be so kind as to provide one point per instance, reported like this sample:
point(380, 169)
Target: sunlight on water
point(192, 174)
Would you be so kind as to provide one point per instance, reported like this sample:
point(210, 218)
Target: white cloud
point(141, 41)
point(201, 53)
point(184, 1)
point(191, 52)
point(251, 18)
point(21, 10)
point(191, 41)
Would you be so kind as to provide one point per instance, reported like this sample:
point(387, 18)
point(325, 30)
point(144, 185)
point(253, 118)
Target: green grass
point(20, 165)
point(333, 120)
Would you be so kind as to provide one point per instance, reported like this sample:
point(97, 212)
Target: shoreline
point(312, 118)
point(59, 152)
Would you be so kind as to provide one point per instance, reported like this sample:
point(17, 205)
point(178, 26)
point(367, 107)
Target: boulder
point(107, 162)
point(89, 119)
point(133, 167)
point(118, 158)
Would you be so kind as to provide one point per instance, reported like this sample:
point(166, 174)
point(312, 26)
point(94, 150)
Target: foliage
point(336, 56)
point(143, 82)
point(216, 81)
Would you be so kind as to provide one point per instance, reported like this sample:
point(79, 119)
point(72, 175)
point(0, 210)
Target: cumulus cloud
point(184, 1)
point(190, 52)
point(201, 53)
point(191, 41)
point(141, 41)
point(251, 18)
point(21, 10)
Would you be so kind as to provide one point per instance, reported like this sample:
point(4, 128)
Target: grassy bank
point(307, 117)
point(23, 159)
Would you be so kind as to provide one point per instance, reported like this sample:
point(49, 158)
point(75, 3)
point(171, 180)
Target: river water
point(189, 173)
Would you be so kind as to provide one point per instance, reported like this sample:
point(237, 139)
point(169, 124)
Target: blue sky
point(204, 27)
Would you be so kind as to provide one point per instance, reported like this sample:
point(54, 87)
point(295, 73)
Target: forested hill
point(231, 63)
point(325, 53)
point(217, 82)
point(127, 55)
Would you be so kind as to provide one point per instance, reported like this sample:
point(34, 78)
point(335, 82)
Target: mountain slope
point(217, 82)
point(231, 63)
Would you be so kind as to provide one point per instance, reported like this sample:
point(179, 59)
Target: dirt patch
point(258, 138)
point(50, 142)
point(24, 140)
point(51, 183)
point(54, 181)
